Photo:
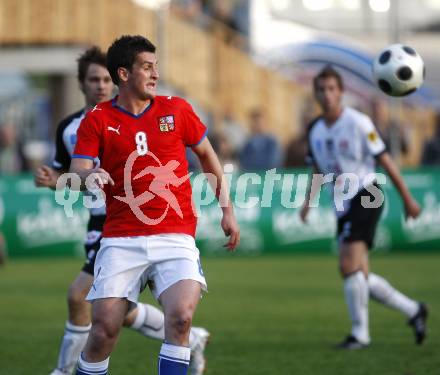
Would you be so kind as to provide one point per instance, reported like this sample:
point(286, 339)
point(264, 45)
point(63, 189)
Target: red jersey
point(145, 156)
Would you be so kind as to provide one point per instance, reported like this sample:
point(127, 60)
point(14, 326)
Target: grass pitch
point(267, 315)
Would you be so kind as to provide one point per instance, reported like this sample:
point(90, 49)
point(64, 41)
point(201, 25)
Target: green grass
point(268, 315)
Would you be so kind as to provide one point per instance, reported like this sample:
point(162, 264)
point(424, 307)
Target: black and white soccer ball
point(398, 70)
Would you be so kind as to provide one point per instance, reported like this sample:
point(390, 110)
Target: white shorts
point(125, 265)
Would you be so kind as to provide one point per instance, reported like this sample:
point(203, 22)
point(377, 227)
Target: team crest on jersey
point(166, 123)
point(372, 136)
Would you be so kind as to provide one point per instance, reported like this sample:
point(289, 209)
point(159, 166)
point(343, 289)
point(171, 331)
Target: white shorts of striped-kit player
point(125, 265)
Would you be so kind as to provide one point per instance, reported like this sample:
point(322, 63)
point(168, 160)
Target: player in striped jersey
point(344, 144)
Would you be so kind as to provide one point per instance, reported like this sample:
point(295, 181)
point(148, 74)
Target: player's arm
point(312, 188)
point(412, 208)
point(212, 167)
point(84, 169)
point(86, 150)
point(311, 192)
point(377, 148)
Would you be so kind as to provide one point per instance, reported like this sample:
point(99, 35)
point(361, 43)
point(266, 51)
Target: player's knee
point(100, 336)
point(182, 325)
point(104, 331)
point(75, 297)
point(181, 321)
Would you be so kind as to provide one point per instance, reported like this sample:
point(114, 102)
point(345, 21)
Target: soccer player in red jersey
point(140, 139)
point(97, 86)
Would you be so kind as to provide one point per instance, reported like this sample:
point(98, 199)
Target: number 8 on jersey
point(141, 143)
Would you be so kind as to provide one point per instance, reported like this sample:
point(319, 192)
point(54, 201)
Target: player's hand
point(232, 230)
point(304, 212)
point(412, 209)
point(45, 177)
point(99, 177)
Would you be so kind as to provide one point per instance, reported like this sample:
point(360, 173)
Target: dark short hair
point(93, 55)
point(123, 51)
point(328, 72)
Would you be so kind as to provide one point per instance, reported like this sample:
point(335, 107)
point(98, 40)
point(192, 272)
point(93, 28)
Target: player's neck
point(332, 115)
point(132, 104)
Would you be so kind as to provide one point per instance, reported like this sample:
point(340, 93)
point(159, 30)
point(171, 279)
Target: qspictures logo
point(164, 181)
point(163, 177)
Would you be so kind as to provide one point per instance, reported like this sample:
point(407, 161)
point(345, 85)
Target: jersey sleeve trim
point(62, 158)
point(201, 139)
point(78, 156)
point(380, 153)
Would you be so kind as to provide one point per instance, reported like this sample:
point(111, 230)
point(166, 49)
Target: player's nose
point(155, 73)
point(101, 85)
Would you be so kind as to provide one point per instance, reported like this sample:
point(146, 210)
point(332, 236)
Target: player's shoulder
point(358, 117)
point(175, 102)
point(100, 111)
point(65, 122)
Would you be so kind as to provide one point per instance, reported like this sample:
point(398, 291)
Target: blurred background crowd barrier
point(34, 224)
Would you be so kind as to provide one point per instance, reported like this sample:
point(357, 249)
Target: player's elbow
point(204, 150)
point(383, 158)
point(201, 153)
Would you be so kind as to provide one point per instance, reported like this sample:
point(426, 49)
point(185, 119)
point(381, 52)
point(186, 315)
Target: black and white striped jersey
point(65, 141)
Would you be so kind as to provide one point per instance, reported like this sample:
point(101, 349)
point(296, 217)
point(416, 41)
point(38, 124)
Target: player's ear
point(123, 74)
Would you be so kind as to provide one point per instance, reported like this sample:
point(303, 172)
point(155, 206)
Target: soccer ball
point(398, 70)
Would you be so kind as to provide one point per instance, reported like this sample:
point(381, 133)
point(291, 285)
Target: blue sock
point(173, 359)
point(89, 368)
